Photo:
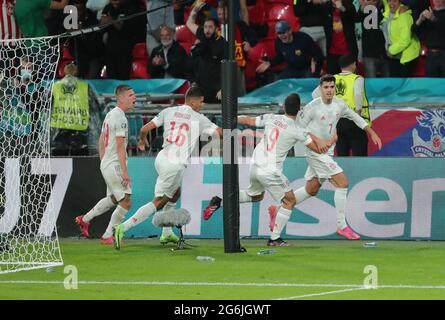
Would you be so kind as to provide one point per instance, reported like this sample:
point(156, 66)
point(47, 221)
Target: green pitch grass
point(308, 269)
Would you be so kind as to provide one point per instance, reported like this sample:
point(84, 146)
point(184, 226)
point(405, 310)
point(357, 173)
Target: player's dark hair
point(194, 92)
point(327, 78)
point(122, 88)
point(292, 104)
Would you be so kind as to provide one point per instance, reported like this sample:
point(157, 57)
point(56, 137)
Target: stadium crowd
point(274, 39)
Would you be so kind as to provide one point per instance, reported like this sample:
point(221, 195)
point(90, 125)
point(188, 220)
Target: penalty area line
point(224, 284)
point(321, 293)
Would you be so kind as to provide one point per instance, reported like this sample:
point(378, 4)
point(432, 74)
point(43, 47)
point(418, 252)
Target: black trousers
point(351, 138)
point(435, 63)
point(398, 70)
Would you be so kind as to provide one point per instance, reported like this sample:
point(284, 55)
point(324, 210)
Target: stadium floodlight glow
point(28, 236)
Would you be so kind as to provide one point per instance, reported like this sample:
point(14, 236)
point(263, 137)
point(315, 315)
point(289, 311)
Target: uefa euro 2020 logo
point(434, 146)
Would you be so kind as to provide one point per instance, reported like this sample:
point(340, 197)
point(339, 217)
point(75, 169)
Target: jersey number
point(272, 139)
point(180, 137)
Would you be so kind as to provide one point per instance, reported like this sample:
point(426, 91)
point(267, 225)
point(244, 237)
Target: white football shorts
point(322, 167)
point(169, 176)
point(113, 178)
point(276, 183)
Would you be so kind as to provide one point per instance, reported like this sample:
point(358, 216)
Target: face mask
point(26, 74)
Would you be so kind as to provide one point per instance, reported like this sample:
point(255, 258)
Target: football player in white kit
point(183, 126)
point(320, 117)
point(281, 133)
point(113, 142)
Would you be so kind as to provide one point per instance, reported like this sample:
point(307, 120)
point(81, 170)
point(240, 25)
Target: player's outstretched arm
point(143, 142)
point(247, 121)
point(374, 136)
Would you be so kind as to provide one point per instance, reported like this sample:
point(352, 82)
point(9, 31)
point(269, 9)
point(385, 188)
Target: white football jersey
point(182, 128)
point(114, 125)
point(321, 119)
point(281, 133)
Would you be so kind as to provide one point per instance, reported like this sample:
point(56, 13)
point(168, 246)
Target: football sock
point(102, 206)
point(301, 194)
point(141, 214)
point(340, 204)
point(116, 218)
point(282, 218)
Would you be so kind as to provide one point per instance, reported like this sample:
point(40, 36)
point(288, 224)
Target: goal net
point(28, 235)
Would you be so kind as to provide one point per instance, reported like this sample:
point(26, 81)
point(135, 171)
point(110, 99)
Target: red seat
point(185, 37)
point(140, 51)
point(66, 55)
point(183, 34)
point(279, 11)
point(289, 2)
point(257, 13)
point(139, 70)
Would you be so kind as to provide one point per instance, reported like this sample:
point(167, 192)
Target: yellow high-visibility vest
point(70, 110)
point(344, 89)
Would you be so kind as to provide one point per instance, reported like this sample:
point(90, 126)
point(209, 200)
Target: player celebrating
point(320, 117)
point(183, 125)
point(113, 155)
point(266, 172)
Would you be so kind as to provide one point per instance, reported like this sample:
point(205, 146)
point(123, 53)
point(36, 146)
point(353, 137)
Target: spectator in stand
point(169, 59)
point(9, 28)
point(121, 37)
point(156, 19)
point(178, 12)
point(30, 15)
point(313, 15)
point(431, 26)
point(402, 46)
point(206, 55)
point(245, 39)
point(70, 114)
point(302, 55)
point(373, 41)
point(88, 49)
point(340, 33)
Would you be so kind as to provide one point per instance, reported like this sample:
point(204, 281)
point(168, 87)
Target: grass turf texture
point(324, 263)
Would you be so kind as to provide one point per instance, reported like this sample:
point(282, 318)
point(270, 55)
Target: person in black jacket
point(169, 59)
point(373, 41)
point(121, 36)
point(313, 15)
point(206, 56)
point(301, 54)
point(88, 49)
point(340, 33)
point(430, 27)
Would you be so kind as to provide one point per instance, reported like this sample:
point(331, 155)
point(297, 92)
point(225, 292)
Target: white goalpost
point(28, 234)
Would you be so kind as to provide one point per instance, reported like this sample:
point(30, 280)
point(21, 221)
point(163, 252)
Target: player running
point(266, 172)
point(320, 117)
point(183, 125)
point(113, 142)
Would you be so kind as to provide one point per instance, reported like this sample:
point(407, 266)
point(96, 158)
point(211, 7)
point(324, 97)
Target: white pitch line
point(320, 294)
point(224, 284)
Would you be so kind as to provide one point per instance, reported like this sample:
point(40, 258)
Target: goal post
point(28, 235)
